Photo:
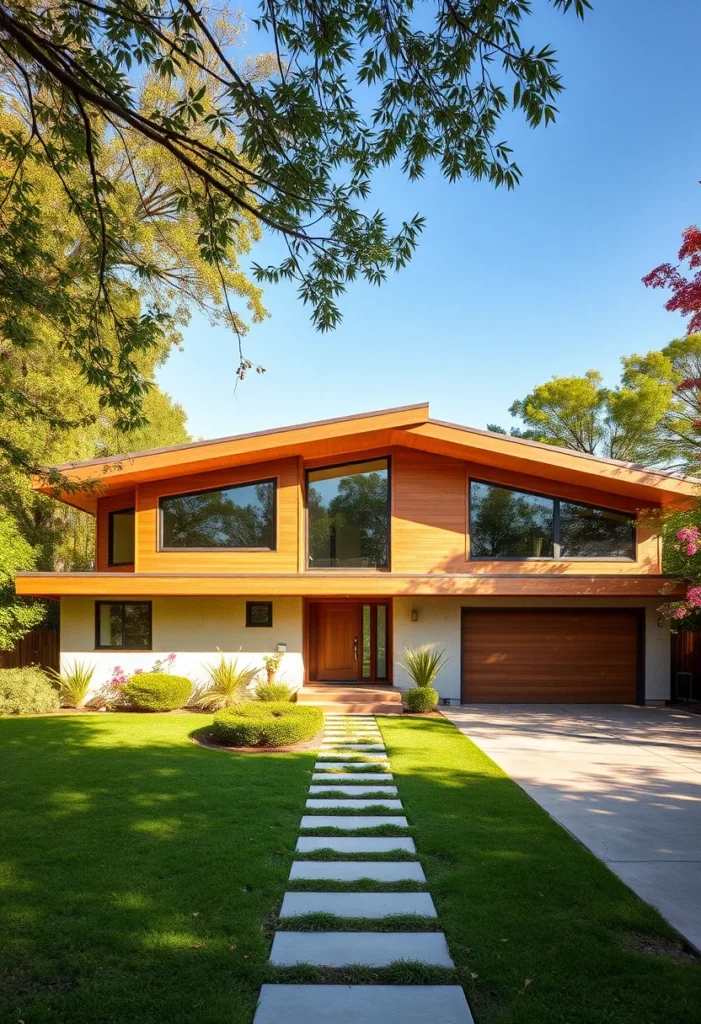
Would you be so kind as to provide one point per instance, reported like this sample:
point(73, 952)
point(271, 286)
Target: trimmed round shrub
point(423, 698)
point(278, 692)
point(157, 691)
point(26, 691)
point(266, 724)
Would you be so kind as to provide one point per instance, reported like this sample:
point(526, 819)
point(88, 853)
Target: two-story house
point(344, 541)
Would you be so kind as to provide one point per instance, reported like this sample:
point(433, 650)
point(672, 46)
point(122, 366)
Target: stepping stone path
point(353, 752)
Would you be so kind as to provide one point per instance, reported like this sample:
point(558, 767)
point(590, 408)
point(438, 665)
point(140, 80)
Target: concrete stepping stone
point(355, 844)
point(355, 790)
point(381, 777)
point(353, 870)
point(349, 804)
point(373, 949)
point(364, 1004)
point(351, 822)
point(358, 904)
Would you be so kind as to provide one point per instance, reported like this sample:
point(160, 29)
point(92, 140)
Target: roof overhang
point(360, 584)
point(409, 426)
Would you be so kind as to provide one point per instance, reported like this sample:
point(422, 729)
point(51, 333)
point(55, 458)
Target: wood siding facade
point(429, 528)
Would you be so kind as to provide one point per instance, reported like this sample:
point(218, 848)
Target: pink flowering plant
point(112, 693)
point(686, 613)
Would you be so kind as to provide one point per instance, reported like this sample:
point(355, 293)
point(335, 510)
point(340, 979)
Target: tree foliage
point(17, 615)
point(652, 417)
point(686, 291)
point(138, 111)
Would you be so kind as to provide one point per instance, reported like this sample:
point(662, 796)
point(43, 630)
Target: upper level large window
point(241, 516)
point(505, 523)
point(348, 508)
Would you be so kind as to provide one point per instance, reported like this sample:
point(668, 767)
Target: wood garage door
point(546, 655)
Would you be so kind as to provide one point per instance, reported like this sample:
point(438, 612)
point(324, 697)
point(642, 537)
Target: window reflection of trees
point(508, 523)
point(234, 517)
point(349, 519)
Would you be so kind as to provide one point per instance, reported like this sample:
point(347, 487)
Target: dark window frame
point(110, 534)
point(349, 568)
point(250, 624)
point(556, 556)
point(123, 647)
point(210, 490)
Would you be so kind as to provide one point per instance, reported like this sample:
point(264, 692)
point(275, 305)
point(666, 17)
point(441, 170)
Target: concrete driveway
point(625, 781)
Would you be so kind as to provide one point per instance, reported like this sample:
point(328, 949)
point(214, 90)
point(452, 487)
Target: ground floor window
point(124, 625)
point(259, 613)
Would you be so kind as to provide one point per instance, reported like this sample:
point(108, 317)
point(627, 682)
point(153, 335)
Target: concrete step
point(354, 707)
point(351, 822)
point(362, 1004)
point(328, 777)
point(356, 790)
point(328, 804)
point(355, 844)
point(374, 949)
point(358, 904)
point(354, 870)
point(311, 693)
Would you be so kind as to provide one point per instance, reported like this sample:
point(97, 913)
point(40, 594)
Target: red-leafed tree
point(686, 290)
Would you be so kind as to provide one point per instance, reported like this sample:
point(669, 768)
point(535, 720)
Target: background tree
point(652, 417)
point(580, 413)
point(289, 143)
point(17, 615)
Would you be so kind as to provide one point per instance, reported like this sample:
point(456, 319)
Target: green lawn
point(519, 898)
point(139, 876)
point(137, 870)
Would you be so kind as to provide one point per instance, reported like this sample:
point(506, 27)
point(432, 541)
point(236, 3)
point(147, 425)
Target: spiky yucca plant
point(73, 684)
point(227, 684)
point(423, 663)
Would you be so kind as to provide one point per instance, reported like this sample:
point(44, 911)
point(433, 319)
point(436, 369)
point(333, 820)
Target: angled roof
point(408, 426)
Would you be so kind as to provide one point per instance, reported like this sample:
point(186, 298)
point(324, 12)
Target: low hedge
point(421, 699)
point(157, 691)
point(277, 692)
point(26, 691)
point(266, 724)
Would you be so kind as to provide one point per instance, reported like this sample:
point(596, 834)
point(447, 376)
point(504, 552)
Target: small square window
point(259, 613)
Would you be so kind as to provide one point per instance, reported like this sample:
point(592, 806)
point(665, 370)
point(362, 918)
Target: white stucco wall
point(191, 628)
point(439, 622)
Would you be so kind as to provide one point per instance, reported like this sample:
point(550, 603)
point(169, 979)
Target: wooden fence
point(40, 647)
point(686, 666)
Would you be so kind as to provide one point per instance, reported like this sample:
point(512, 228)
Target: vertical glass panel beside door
point(366, 649)
point(381, 642)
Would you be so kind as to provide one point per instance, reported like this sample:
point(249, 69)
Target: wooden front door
point(337, 640)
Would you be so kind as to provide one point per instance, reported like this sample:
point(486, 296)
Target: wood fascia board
point(537, 460)
point(182, 460)
point(305, 584)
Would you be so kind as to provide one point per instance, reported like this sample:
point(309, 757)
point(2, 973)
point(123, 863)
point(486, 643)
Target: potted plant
point(423, 665)
point(272, 664)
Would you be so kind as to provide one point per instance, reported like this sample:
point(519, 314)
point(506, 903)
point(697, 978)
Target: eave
point(307, 584)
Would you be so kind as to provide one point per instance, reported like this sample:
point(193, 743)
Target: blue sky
point(506, 289)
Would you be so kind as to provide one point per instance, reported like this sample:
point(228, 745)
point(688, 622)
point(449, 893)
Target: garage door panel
point(550, 655)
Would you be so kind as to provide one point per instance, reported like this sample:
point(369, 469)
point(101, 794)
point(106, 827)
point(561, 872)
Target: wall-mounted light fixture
point(660, 621)
point(414, 615)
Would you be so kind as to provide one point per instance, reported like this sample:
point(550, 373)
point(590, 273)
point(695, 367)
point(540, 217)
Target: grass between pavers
point(137, 869)
point(374, 830)
point(361, 885)
point(540, 930)
point(375, 794)
point(354, 812)
point(331, 923)
point(401, 972)
point(322, 855)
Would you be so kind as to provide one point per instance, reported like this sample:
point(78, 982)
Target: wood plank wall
point(125, 499)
